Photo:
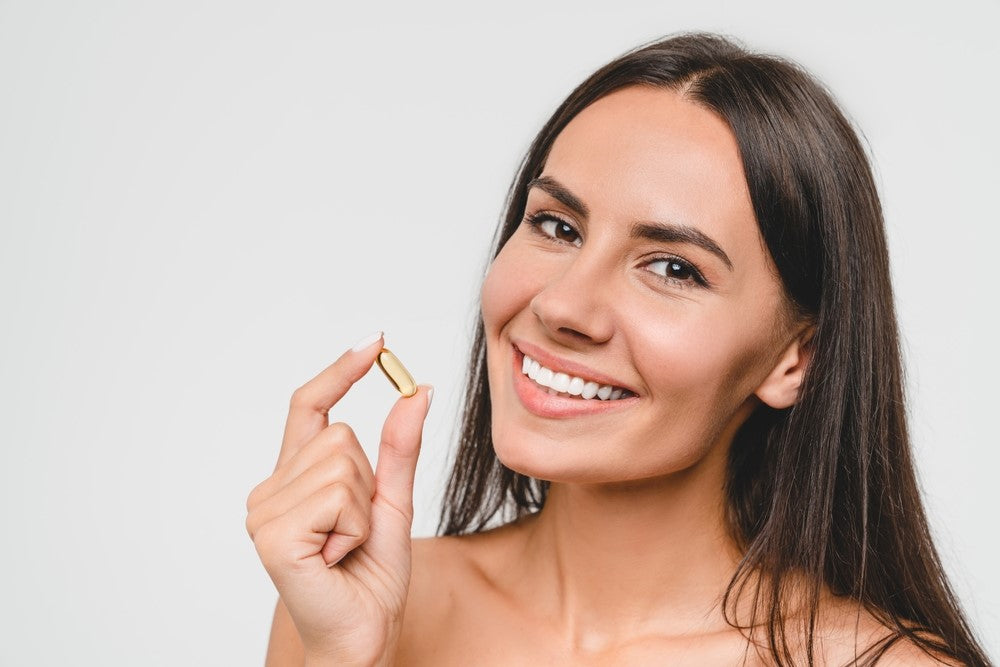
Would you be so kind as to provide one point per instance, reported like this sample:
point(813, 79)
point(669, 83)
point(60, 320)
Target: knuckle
point(298, 396)
point(303, 398)
point(404, 510)
point(267, 541)
point(263, 535)
point(364, 531)
point(339, 494)
point(251, 525)
point(340, 468)
point(340, 432)
point(255, 495)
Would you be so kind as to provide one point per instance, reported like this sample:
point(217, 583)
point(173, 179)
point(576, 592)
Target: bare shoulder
point(450, 580)
point(439, 566)
point(430, 599)
point(907, 652)
point(848, 631)
point(440, 563)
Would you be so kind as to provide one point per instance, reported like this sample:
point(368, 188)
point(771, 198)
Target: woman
point(685, 400)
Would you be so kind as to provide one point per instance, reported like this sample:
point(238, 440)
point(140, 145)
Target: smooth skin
point(628, 561)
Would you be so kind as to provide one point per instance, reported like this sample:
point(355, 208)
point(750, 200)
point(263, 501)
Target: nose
point(575, 306)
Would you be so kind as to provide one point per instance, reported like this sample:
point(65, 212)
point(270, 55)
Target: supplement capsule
point(396, 372)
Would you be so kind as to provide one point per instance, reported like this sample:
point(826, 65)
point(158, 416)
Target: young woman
point(684, 412)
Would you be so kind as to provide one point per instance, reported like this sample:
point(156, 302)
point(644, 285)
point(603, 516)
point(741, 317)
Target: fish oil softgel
point(396, 372)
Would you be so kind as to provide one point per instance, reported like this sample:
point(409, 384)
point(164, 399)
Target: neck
point(609, 561)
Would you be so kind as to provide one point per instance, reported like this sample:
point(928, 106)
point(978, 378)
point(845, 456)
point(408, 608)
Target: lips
point(545, 401)
point(571, 385)
point(568, 367)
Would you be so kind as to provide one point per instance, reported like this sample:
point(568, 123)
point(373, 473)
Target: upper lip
point(560, 365)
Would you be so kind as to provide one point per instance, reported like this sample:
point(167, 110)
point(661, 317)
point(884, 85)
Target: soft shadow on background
point(202, 204)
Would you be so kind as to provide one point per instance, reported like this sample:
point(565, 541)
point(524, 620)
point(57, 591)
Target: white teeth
point(569, 384)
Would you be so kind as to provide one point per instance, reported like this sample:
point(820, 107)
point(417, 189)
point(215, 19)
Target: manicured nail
point(430, 395)
point(367, 341)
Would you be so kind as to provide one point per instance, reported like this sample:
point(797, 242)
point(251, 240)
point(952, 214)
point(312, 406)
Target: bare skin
point(477, 615)
point(628, 561)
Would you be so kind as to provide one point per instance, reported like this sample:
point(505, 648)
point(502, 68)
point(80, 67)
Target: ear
point(780, 389)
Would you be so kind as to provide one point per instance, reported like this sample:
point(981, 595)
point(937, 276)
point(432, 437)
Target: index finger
point(310, 404)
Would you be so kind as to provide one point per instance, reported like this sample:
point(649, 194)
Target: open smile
point(549, 392)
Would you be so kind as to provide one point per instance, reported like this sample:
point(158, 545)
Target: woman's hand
point(333, 535)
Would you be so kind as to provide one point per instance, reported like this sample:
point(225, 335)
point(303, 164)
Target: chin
point(582, 462)
point(562, 462)
point(535, 456)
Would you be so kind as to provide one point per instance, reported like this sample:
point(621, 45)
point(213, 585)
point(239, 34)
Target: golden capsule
point(396, 372)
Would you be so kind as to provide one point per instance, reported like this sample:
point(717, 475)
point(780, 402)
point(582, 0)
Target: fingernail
point(430, 395)
point(366, 341)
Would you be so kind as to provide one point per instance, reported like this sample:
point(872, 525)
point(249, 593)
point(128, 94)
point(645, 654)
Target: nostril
point(574, 333)
point(573, 311)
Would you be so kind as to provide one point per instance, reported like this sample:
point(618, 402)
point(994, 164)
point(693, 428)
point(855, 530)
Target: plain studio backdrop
point(203, 204)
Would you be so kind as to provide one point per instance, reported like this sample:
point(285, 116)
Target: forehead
point(649, 153)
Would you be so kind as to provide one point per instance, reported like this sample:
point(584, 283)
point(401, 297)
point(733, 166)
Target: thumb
point(398, 450)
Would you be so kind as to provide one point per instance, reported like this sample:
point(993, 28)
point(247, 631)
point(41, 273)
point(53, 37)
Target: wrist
point(331, 660)
point(368, 649)
point(382, 658)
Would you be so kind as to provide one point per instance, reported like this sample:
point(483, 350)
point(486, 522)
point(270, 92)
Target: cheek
point(505, 290)
point(491, 295)
point(712, 361)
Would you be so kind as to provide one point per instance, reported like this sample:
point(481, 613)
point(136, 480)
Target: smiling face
point(639, 265)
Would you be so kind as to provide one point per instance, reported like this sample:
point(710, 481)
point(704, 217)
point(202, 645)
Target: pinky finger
point(293, 539)
point(352, 529)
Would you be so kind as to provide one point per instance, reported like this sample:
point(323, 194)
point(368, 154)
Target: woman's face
point(639, 265)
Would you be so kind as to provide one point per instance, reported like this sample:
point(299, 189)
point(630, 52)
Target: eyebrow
point(560, 192)
point(664, 232)
point(669, 232)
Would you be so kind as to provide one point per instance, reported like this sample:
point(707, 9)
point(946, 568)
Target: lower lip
point(538, 401)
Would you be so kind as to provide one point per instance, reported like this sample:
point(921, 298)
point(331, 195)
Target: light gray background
point(203, 204)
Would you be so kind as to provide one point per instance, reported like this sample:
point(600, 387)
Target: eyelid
point(697, 277)
point(535, 219)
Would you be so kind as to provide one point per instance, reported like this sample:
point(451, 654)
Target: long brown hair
point(827, 487)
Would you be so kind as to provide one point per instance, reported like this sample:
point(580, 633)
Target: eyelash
point(536, 220)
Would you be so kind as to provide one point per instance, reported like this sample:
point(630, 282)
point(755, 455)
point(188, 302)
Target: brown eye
point(559, 230)
point(676, 270)
point(554, 228)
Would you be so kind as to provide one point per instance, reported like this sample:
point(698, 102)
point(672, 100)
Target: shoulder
point(440, 567)
point(906, 652)
point(452, 580)
point(466, 562)
point(467, 559)
point(847, 632)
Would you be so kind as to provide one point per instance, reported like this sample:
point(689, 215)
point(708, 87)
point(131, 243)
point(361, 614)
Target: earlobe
point(780, 389)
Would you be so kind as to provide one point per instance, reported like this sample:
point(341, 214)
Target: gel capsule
point(396, 372)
